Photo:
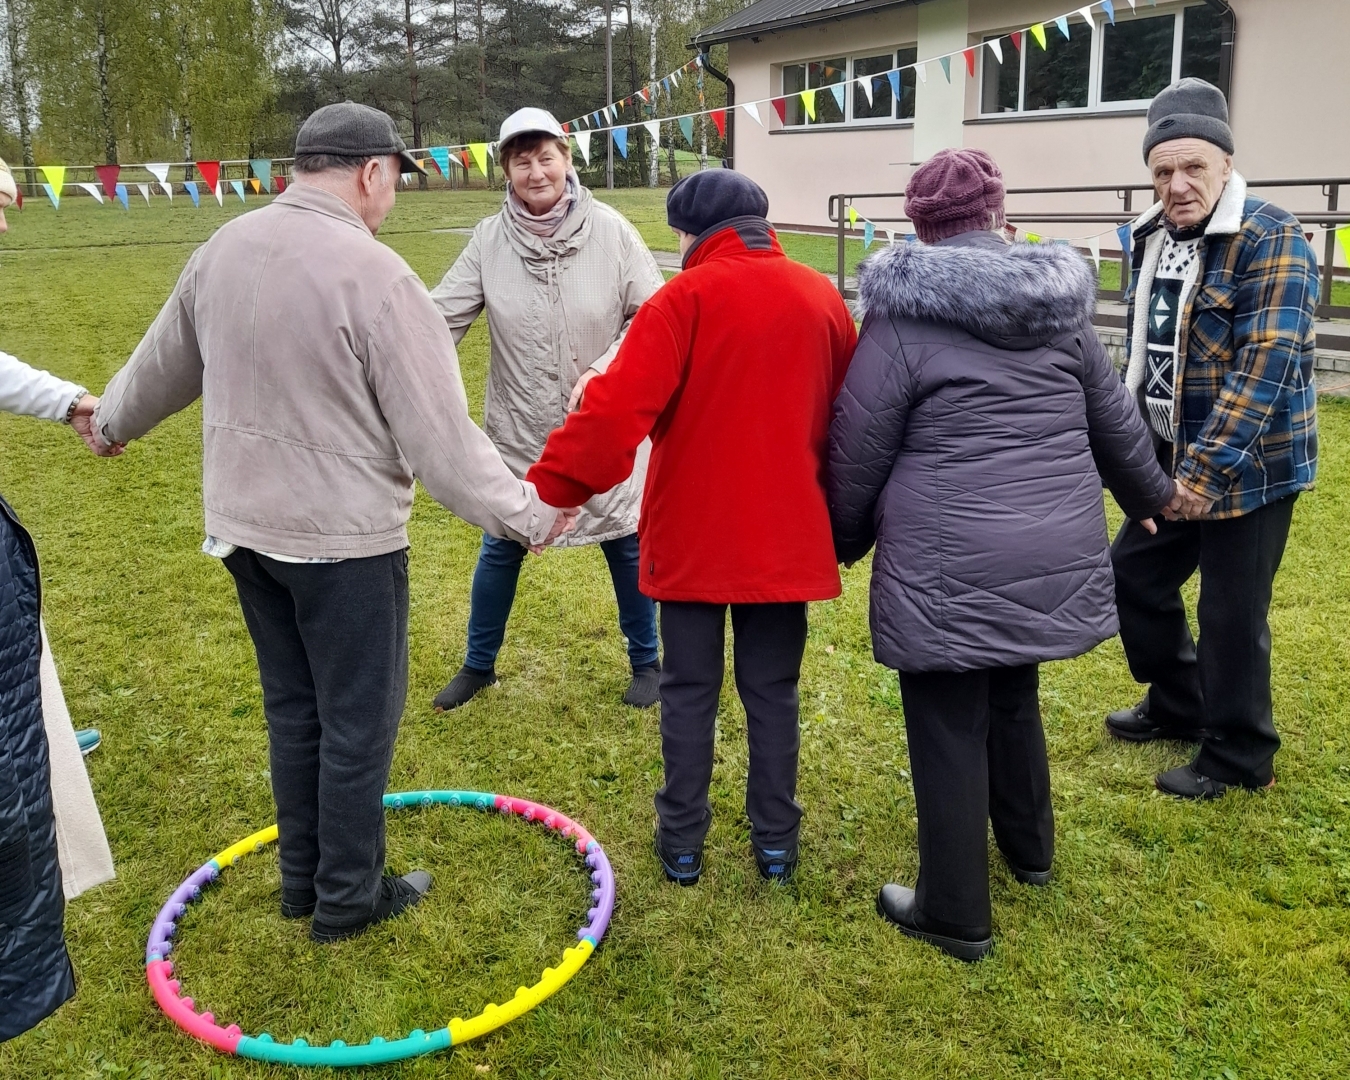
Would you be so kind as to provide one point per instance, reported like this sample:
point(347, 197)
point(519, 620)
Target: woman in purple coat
point(978, 422)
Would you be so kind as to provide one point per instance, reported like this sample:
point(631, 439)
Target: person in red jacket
point(731, 369)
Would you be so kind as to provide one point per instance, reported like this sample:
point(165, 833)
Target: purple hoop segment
point(231, 1040)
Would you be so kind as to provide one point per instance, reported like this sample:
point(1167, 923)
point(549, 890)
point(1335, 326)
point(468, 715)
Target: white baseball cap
point(8, 191)
point(529, 120)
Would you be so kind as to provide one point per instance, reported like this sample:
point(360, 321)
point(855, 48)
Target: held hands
point(1186, 505)
point(574, 401)
point(82, 420)
point(564, 523)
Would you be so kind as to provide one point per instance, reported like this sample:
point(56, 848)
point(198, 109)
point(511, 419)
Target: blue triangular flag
point(1063, 23)
point(441, 156)
point(838, 91)
point(687, 127)
point(51, 194)
point(869, 233)
point(894, 77)
point(121, 190)
point(1125, 241)
point(1110, 10)
point(238, 186)
point(620, 135)
point(946, 62)
point(191, 186)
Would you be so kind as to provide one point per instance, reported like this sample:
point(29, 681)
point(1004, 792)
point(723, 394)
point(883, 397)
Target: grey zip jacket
point(555, 307)
point(328, 381)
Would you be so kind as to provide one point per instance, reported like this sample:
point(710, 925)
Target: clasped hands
point(82, 420)
point(565, 522)
point(1186, 505)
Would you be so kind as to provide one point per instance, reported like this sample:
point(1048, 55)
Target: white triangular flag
point(1086, 13)
point(144, 189)
point(1095, 246)
point(866, 83)
point(218, 193)
point(160, 171)
point(93, 190)
point(922, 70)
point(752, 108)
point(996, 48)
point(654, 130)
point(583, 139)
point(891, 233)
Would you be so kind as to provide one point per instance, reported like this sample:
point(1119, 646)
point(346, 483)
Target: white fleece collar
point(1226, 219)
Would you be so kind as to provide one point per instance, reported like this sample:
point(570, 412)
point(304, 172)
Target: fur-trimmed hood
point(1018, 296)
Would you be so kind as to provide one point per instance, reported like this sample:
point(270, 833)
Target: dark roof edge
point(712, 36)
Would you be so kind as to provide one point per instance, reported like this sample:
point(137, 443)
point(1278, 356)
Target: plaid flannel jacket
point(1246, 407)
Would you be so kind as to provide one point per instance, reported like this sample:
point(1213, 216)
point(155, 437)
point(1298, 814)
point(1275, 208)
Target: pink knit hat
point(955, 191)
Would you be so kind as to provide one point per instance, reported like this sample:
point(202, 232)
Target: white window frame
point(850, 85)
point(988, 65)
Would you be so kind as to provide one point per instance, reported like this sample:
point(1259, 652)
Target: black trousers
point(977, 752)
point(332, 646)
point(1223, 685)
point(768, 643)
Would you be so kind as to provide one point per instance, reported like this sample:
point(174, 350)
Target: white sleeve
point(29, 392)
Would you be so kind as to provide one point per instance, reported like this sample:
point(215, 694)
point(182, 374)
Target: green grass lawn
point(1176, 941)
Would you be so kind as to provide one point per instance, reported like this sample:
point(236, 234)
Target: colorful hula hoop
point(202, 1025)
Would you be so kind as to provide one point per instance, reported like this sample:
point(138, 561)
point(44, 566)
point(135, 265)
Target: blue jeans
point(494, 591)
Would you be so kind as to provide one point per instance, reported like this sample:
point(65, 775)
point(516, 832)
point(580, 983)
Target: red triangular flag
point(432, 162)
point(464, 157)
point(1016, 35)
point(210, 171)
point(969, 54)
point(719, 117)
point(107, 175)
point(780, 107)
point(646, 95)
point(19, 202)
point(280, 183)
point(567, 128)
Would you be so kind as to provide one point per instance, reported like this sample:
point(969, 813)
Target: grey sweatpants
point(332, 647)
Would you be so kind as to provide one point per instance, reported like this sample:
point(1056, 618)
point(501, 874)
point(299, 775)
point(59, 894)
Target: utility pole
point(609, 91)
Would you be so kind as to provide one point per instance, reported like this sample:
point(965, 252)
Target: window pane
point(1200, 31)
point(1137, 58)
point(794, 82)
point(1057, 76)
point(1001, 81)
point(822, 74)
point(907, 81)
point(883, 104)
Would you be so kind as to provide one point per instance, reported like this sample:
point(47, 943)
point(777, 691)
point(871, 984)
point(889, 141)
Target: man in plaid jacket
point(1220, 350)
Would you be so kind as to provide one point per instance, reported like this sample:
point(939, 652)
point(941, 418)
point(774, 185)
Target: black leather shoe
point(297, 903)
point(463, 688)
point(684, 866)
point(1135, 725)
point(397, 895)
point(1038, 878)
point(895, 904)
point(1188, 782)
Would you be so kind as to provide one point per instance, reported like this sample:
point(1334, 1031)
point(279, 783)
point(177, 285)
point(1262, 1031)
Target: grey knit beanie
point(1189, 109)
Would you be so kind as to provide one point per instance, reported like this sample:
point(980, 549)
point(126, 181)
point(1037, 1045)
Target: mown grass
point(1176, 941)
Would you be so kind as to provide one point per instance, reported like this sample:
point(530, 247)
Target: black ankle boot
point(895, 904)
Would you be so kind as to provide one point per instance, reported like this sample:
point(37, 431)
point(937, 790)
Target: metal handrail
point(1331, 216)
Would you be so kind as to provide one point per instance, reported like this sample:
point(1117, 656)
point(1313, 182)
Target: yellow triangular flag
point(1343, 235)
point(479, 152)
point(852, 218)
point(1033, 238)
point(56, 176)
point(256, 185)
point(1038, 32)
point(809, 100)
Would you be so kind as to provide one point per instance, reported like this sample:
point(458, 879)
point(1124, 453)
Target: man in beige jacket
point(328, 381)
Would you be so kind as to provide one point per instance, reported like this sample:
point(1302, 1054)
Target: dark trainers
point(895, 904)
point(397, 894)
point(463, 688)
point(683, 867)
point(1135, 725)
point(1188, 782)
point(776, 864)
point(297, 903)
point(644, 691)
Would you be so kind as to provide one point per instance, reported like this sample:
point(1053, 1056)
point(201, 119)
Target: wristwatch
point(75, 404)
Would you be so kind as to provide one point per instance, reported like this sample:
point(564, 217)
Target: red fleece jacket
point(732, 369)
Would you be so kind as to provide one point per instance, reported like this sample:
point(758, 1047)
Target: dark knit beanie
point(705, 199)
point(953, 192)
point(1189, 109)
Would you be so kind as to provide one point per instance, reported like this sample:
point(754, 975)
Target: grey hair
point(317, 163)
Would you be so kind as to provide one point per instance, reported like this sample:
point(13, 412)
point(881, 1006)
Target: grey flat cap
point(350, 130)
point(1189, 109)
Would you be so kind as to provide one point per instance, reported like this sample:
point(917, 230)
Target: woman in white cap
point(560, 276)
point(52, 844)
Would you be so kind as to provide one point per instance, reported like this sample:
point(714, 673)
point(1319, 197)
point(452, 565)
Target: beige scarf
point(546, 224)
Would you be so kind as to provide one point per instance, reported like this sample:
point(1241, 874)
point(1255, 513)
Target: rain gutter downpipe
point(725, 79)
point(1227, 42)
